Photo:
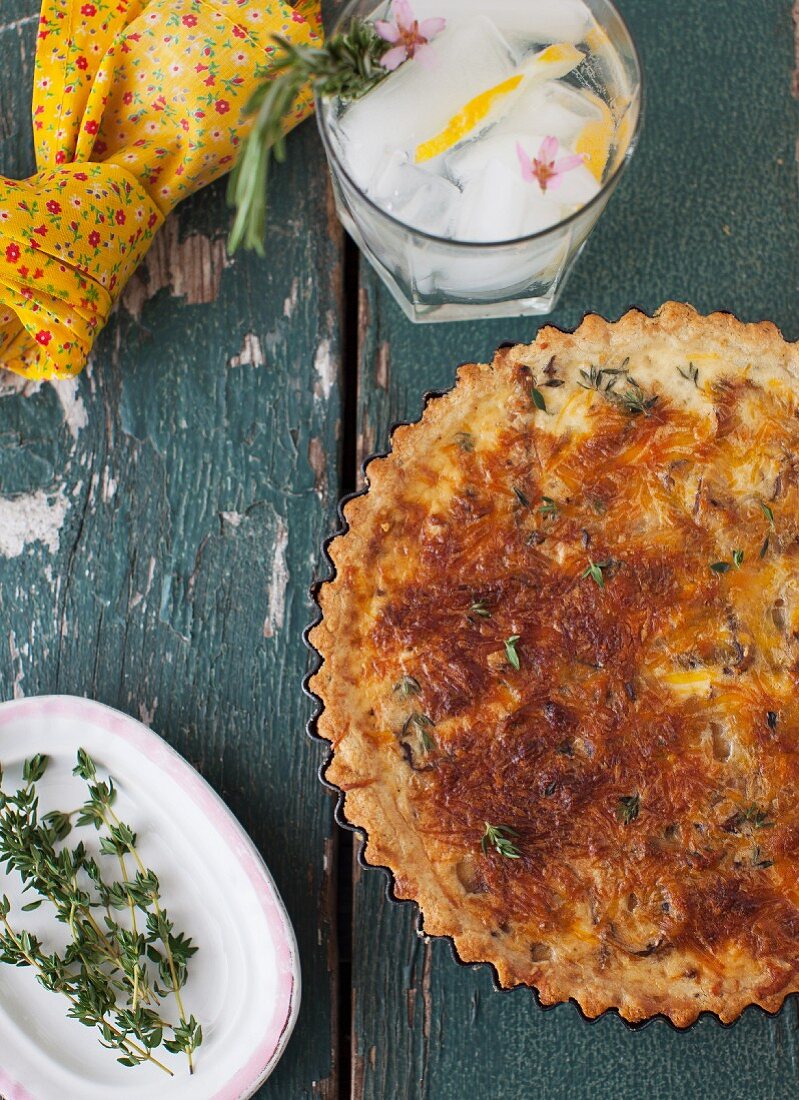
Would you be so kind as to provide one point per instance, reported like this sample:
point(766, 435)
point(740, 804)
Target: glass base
point(426, 313)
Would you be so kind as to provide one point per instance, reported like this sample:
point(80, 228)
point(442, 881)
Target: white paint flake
point(278, 582)
point(232, 519)
point(251, 354)
point(17, 653)
point(109, 487)
point(290, 303)
point(31, 517)
point(13, 385)
point(325, 370)
point(146, 714)
point(75, 416)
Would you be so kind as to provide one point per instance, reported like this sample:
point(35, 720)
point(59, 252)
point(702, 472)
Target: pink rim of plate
point(263, 1060)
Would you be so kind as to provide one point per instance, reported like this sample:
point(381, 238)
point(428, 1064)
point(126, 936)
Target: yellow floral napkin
point(136, 104)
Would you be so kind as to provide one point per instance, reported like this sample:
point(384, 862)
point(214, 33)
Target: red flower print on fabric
point(222, 106)
point(43, 337)
point(12, 253)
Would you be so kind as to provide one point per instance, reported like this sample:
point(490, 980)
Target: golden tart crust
point(623, 500)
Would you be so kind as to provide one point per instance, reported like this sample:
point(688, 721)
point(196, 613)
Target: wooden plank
point(707, 213)
point(160, 518)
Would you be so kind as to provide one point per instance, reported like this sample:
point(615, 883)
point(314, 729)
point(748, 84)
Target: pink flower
point(407, 35)
point(189, 20)
point(544, 169)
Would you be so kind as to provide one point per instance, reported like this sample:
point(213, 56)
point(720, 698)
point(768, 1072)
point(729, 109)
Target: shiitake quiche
point(560, 659)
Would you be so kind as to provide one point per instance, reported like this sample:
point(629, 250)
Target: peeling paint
point(75, 416)
point(31, 517)
point(251, 354)
point(383, 366)
point(190, 268)
point(232, 519)
point(17, 23)
point(278, 582)
point(17, 653)
point(290, 304)
point(109, 486)
point(15, 385)
point(146, 714)
point(325, 370)
point(318, 461)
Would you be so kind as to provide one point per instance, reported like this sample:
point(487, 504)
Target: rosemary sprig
point(347, 66)
point(497, 836)
point(106, 971)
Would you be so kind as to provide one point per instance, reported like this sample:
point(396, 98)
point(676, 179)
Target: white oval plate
point(244, 981)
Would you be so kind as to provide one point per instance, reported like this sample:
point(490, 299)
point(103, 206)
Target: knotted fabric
point(136, 104)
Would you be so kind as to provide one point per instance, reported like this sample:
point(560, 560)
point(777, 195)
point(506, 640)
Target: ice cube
point(421, 97)
point(552, 108)
point(469, 158)
point(525, 21)
point(492, 208)
point(575, 188)
point(416, 197)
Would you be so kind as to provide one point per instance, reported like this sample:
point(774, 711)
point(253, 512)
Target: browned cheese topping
point(561, 665)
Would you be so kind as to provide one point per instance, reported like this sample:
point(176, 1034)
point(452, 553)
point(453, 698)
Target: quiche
point(560, 659)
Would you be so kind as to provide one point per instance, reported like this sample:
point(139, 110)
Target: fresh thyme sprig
point(114, 978)
point(605, 379)
point(497, 836)
point(347, 66)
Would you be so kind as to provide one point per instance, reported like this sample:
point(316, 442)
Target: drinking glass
point(434, 278)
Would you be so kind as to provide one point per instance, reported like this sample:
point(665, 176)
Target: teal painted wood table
point(161, 518)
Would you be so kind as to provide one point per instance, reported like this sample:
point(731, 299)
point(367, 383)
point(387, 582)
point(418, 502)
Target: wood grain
point(160, 518)
point(707, 214)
